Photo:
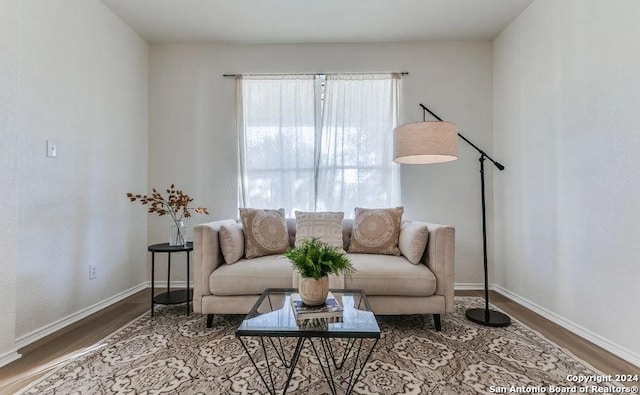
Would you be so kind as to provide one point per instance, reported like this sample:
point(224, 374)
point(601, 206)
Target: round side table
point(170, 297)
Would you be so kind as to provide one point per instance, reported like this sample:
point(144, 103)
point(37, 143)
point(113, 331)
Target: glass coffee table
point(273, 341)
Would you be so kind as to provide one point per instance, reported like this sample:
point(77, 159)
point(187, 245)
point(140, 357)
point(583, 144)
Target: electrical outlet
point(92, 272)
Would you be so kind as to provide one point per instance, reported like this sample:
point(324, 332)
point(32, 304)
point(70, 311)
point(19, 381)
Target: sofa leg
point(437, 322)
point(209, 320)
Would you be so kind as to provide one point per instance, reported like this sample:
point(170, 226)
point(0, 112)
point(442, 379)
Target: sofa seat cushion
point(251, 276)
point(390, 275)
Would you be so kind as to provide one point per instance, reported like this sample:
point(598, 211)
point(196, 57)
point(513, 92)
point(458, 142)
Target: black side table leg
point(188, 293)
point(168, 271)
point(176, 296)
point(153, 271)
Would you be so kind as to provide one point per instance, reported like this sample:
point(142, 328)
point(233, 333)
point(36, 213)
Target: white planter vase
point(313, 292)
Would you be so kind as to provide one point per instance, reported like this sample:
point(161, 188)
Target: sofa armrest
point(208, 256)
point(440, 258)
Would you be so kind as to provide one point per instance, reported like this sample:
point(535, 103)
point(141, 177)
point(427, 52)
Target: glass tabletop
point(272, 315)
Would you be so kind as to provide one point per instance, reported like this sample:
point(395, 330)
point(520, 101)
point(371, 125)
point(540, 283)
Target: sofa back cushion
point(413, 241)
point(347, 230)
point(265, 232)
point(376, 231)
point(291, 228)
point(347, 227)
point(232, 242)
point(324, 226)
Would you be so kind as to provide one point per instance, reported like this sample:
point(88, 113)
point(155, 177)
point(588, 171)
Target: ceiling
point(315, 21)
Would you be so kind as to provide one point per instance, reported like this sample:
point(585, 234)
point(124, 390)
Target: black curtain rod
point(484, 154)
point(401, 73)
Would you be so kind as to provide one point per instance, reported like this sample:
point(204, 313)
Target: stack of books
point(316, 316)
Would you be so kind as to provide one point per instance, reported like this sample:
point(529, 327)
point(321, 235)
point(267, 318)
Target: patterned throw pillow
point(231, 242)
point(376, 231)
point(265, 232)
point(326, 226)
point(413, 241)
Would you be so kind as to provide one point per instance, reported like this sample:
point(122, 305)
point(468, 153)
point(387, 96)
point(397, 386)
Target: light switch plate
point(52, 149)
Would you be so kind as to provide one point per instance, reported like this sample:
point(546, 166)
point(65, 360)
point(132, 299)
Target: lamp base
point(488, 317)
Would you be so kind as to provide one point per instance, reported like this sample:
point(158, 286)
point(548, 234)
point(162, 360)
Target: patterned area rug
point(175, 354)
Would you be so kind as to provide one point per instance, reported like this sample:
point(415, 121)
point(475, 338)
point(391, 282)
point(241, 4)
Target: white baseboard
point(588, 335)
point(469, 286)
point(579, 330)
point(70, 319)
point(174, 284)
point(9, 357)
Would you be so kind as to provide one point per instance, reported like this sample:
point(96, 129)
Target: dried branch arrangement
point(176, 204)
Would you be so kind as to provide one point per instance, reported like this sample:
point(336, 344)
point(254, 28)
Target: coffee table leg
point(352, 381)
point(348, 347)
point(280, 353)
point(294, 361)
point(255, 365)
point(329, 358)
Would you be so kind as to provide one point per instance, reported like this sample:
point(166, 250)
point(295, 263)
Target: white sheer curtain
point(277, 124)
point(300, 150)
point(355, 166)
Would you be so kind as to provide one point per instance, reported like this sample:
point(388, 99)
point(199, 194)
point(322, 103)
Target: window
point(317, 143)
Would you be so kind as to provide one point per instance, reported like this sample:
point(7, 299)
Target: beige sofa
point(392, 284)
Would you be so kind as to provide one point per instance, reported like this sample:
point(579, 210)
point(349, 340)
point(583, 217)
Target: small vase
point(313, 292)
point(177, 234)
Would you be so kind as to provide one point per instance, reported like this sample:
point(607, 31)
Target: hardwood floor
point(43, 355)
point(598, 357)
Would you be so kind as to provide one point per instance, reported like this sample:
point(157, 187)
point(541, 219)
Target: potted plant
point(315, 260)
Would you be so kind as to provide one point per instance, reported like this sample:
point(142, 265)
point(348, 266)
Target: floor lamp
point(435, 142)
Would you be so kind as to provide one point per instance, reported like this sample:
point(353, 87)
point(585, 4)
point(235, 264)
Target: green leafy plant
point(316, 259)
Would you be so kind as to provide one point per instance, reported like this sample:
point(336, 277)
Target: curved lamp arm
point(498, 165)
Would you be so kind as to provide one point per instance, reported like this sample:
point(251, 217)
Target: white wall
point(83, 84)
point(566, 100)
point(192, 137)
point(9, 44)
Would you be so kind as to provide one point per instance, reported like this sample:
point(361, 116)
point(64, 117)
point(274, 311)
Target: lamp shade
point(425, 142)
